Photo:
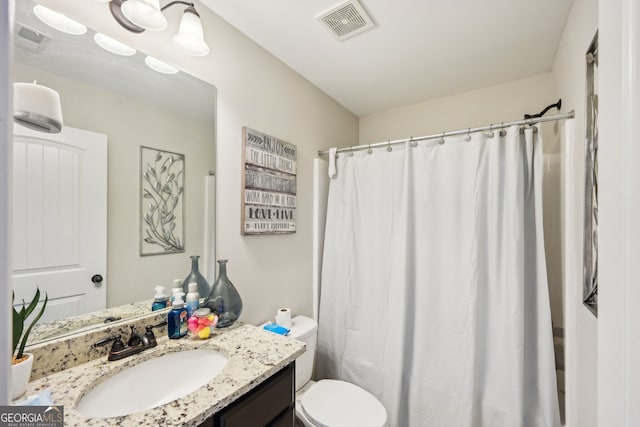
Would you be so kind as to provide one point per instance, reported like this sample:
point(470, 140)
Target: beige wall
point(129, 123)
point(495, 104)
point(568, 73)
point(256, 90)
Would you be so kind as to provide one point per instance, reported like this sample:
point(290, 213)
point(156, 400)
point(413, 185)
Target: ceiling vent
point(346, 20)
point(30, 39)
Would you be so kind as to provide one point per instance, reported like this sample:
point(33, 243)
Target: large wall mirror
point(122, 100)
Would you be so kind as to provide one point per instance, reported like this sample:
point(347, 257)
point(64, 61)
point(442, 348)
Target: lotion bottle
point(193, 299)
point(177, 319)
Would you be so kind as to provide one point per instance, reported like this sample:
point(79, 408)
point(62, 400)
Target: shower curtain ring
point(490, 133)
point(351, 152)
point(412, 142)
point(389, 145)
point(441, 140)
point(369, 150)
point(502, 131)
point(468, 136)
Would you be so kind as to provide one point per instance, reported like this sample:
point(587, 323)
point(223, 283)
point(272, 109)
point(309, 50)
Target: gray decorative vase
point(195, 276)
point(224, 299)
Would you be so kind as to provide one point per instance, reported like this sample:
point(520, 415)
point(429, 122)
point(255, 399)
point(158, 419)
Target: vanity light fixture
point(140, 15)
point(37, 107)
point(59, 21)
point(145, 14)
point(112, 45)
point(159, 66)
point(190, 37)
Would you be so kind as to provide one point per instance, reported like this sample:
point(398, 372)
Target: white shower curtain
point(434, 295)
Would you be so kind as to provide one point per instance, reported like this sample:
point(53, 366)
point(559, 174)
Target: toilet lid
point(333, 403)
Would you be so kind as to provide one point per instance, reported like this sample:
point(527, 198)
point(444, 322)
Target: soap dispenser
point(177, 319)
point(159, 299)
point(193, 299)
point(177, 287)
point(175, 292)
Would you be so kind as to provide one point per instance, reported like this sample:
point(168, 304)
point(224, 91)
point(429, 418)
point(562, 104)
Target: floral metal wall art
point(161, 201)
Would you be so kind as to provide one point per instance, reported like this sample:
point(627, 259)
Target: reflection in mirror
point(121, 104)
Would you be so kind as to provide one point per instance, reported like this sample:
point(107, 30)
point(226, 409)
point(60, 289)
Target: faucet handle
point(158, 325)
point(117, 343)
point(149, 333)
point(134, 339)
point(137, 339)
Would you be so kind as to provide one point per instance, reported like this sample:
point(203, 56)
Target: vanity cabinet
point(271, 404)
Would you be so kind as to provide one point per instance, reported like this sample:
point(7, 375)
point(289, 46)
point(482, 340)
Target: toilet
point(329, 403)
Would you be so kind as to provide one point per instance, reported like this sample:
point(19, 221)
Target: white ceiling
point(419, 50)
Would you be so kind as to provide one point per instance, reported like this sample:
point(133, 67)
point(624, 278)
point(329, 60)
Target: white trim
point(630, 138)
point(320, 194)
point(6, 129)
point(209, 229)
point(572, 278)
point(619, 230)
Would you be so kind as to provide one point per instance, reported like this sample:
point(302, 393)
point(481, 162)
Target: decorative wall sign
point(161, 202)
point(590, 252)
point(268, 184)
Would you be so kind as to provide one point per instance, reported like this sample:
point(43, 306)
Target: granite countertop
point(254, 355)
point(75, 324)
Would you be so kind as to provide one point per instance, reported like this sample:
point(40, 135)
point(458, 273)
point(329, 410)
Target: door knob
point(97, 279)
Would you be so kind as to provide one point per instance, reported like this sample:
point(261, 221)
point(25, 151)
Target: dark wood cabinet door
point(270, 404)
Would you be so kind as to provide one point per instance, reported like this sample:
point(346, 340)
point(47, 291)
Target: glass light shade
point(112, 45)
point(190, 39)
point(145, 14)
point(37, 107)
point(159, 66)
point(59, 21)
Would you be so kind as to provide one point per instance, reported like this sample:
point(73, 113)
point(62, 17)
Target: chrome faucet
point(137, 343)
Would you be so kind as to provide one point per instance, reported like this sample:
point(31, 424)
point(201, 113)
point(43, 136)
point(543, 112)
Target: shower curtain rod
point(569, 115)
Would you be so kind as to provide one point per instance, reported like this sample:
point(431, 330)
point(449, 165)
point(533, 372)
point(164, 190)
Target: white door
point(60, 219)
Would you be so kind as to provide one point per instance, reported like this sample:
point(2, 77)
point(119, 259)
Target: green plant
point(19, 319)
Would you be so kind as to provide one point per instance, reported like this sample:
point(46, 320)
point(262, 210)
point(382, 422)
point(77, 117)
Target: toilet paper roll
point(283, 317)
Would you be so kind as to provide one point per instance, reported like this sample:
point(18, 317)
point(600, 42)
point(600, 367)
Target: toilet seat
point(334, 403)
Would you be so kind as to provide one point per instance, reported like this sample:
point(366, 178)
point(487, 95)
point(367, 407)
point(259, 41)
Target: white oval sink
point(152, 383)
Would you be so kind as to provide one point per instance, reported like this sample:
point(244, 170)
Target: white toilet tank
point(306, 330)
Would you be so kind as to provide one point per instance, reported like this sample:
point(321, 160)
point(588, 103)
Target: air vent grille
point(346, 20)
point(29, 38)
